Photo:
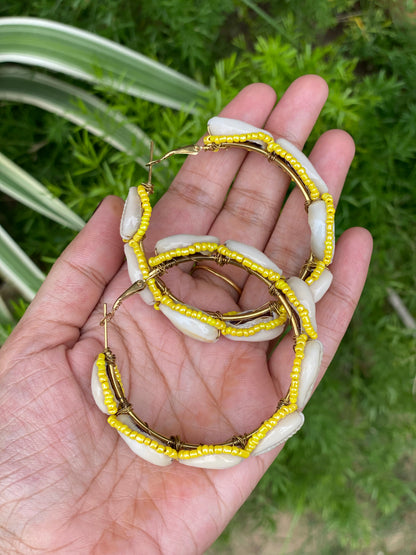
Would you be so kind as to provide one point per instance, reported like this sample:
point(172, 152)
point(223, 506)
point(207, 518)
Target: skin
point(69, 484)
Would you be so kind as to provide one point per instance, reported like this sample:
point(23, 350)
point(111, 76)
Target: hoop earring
point(293, 303)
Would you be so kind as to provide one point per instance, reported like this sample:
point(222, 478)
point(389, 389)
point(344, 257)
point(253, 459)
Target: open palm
point(68, 482)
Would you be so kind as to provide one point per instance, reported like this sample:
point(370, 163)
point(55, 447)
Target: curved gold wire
point(206, 268)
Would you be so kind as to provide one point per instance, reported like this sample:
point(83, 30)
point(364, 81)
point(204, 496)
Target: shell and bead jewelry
point(293, 303)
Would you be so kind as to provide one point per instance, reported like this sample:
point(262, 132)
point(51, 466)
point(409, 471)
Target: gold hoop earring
point(293, 302)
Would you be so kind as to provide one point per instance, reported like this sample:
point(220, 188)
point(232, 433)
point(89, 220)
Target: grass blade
point(92, 58)
point(18, 184)
point(76, 105)
point(17, 268)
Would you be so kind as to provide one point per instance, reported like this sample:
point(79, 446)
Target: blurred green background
point(346, 483)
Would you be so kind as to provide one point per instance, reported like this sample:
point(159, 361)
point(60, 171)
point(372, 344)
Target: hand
point(68, 483)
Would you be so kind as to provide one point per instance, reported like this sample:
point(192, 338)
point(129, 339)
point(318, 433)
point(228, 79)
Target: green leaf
point(5, 314)
point(17, 268)
point(94, 59)
point(76, 105)
point(18, 184)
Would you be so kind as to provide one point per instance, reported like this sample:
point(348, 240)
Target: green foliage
point(351, 470)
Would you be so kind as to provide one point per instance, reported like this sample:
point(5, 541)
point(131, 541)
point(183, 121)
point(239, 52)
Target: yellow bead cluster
point(141, 438)
point(271, 275)
point(271, 147)
point(329, 240)
point(193, 313)
point(283, 411)
point(296, 368)
point(330, 219)
point(109, 399)
point(185, 251)
point(219, 324)
point(136, 242)
point(300, 309)
point(147, 212)
point(243, 138)
point(268, 425)
point(213, 450)
point(141, 257)
point(248, 332)
point(156, 292)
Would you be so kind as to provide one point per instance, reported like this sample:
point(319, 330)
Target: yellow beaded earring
point(293, 302)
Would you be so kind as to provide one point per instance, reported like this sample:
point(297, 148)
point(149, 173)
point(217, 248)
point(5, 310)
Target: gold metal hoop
point(286, 306)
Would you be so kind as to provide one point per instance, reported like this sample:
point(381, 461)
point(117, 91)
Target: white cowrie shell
point(132, 215)
point(143, 451)
point(304, 296)
point(135, 274)
point(97, 390)
point(262, 335)
point(310, 366)
point(253, 254)
point(284, 429)
point(305, 162)
point(181, 241)
point(228, 126)
point(321, 285)
point(317, 224)
point(190, 326)
point(217, 462)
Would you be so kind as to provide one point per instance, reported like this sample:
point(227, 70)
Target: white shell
point(284, 429)
point(253, 254)
point(228, 126)
point(135, 273)
point(181, 241)
point(317, 223)
point(97, 390)
point(304, 296)
point(305, 162)
point(132, 215)
point(263, 335)
point(191, 326)
point(321, 285)
point(310, 366)
point(217, 462)
point(143, 451)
